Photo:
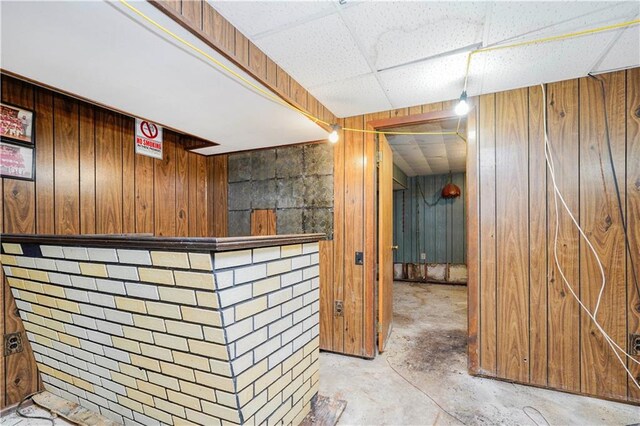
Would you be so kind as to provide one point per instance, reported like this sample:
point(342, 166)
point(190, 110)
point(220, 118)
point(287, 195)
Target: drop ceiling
point(420, 155)
point(100, 51)
point(361, 57)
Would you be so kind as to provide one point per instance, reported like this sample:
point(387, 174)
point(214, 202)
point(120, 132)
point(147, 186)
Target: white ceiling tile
point(534, 64)
point(511, 20)
point(431, 81)
point(316, 53)
point(349, 97)
point(393, 33)
point(255, 17)
point(625, 52)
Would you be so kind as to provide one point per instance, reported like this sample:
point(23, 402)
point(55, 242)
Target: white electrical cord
point(558, 195)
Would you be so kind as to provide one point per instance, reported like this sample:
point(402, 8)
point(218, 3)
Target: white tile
point(61, 279)
point(142, 290)
point(291, 278)
point(134, 257)
point(75, 331)
point(233, 295)
point(231, 258)
point(86, 322)
point(109, 327)
point(300, 262)
point(250, 273)
point(102, 299)
point(103, 254)
point(266, 349)
point(117, 354)
point(123, 272)
point(279, 356)
point(279, 297)
point(47, 264)
point(118, 316)
point(251, 341)
point(83, 355)
point(68, 266)
point(223, 279)
point(52, 251)
point(91, 347)
point(26, 262)
point(265, 253)
point(75, 253)
point(310, 248)
point(239, 329)
point(77, 295)
point(83, 282)
point(110, 286)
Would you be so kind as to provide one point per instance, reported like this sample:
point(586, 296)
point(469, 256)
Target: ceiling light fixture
point(334, 136)
point(463, 106)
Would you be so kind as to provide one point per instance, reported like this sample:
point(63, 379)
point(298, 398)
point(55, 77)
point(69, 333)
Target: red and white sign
point(148, 139)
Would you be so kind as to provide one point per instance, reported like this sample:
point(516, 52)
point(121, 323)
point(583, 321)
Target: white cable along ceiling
point(362, 57)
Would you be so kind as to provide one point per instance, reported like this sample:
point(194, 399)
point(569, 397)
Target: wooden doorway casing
point(471, 216)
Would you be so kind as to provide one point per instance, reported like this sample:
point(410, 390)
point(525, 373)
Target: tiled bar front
point(172, 336)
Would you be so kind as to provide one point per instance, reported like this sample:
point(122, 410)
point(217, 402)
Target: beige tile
point(53, 290)
point(133, 305)
point(11, 248)
point(278, 267)
point(152, 389)
point(47, 301)
point(189, 360)
point(201, 316)
point(19, 272)
point(250, 308)
point(158, 415)
point(214, 334)
point(133, 371)
point(232, 258)
point(198, 390)
point(215, 381)
point(146, 363)
point(129, 403)
point(184, 329)
point(54, 325)
point(69, 340)
point(39, 275)
point(158, 276)
point(203, 419)
point(221, 411)
point(171, 369)
point(157, 352)
point(164, 309)
point(164, 381)
point(140, 396)
point(199, 280)
point(67, 305)
point(208, 349)
point(207, 299)
point(149, 322)
point(60, 315)
point(83, 384)
point(177, 295)
point(184, 400)
point(252, 374)
point(93, 269)
point(126, 344)
point(291, 250)
point(201, 261)
point(45, 312)
point(170, 407)
point(137, 334)
point(170, 259)
point(6, 259)
point(266, 286)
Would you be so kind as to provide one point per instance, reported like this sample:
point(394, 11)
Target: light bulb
point(463, 107)
point(334, 137)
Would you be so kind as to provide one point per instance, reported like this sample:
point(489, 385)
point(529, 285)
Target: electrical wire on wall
point(557, 196)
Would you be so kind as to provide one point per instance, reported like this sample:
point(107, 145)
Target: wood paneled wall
point(531, 329)
point(89, 181)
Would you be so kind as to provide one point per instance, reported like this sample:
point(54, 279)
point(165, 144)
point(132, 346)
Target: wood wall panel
point(263, 222)
point(165, 189)
point(512, 234)
point(339, 228)
point(219, 190)
point(600, 218)
point(633, 218)
point(89, 180)
point(487, 225)
point(67, 172)
point(87, 170)
point(326, 294)
point(45, 214)
point(108, 173)
point(537, 240)
point(563, 311)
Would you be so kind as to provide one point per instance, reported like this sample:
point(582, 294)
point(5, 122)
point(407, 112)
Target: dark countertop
point(147, 241)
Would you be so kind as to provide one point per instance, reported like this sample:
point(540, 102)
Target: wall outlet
point(423, 256)
point(634, 343)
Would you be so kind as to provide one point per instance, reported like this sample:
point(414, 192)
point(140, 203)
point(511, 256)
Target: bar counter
point(149, 330)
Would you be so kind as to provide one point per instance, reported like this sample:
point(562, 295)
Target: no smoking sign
point(148, 139)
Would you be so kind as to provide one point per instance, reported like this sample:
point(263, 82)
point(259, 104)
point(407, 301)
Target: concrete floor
point(428, 348)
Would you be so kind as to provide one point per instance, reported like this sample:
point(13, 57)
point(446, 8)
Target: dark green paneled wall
point(438, 231)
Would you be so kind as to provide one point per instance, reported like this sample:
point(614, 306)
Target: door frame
point(471, 187)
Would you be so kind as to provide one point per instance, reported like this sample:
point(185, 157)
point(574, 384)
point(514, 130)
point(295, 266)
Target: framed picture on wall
point(16, 124)
point(16, 161)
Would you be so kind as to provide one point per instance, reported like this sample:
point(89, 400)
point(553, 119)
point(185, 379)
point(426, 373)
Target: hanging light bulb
point(334, 136)
point(463, 106)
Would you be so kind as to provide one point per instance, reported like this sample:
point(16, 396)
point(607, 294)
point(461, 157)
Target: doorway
point(422, 240)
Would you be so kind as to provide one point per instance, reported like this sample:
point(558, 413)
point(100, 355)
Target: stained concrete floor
point(425, 366)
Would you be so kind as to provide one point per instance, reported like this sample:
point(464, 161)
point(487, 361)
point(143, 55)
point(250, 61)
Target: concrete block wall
point(164, 337)
point(295, 181)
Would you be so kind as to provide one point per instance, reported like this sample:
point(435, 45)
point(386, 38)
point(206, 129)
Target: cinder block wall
point(295, 181)
point(157, 336)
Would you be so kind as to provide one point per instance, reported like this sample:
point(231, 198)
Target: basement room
point(330, 212)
